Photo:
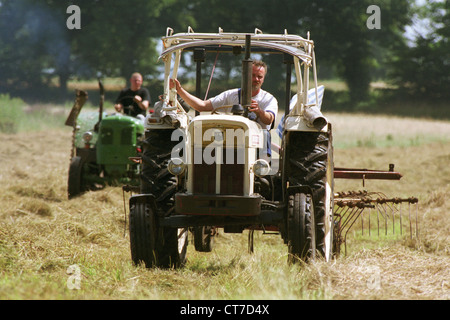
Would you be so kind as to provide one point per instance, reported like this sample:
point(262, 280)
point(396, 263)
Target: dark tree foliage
point(423, 68)
point(119, 37)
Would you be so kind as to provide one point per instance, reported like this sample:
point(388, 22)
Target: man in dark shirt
point(134, 100)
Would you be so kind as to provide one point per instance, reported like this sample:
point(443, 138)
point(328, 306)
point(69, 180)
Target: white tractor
point(205, 171)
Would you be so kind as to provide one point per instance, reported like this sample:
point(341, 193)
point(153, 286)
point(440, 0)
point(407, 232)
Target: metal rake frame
point(351, 206)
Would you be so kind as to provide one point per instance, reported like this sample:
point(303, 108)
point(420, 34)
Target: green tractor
point(104, 147)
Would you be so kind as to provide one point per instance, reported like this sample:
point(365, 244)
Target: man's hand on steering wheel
point(126, 103)
point(254, 107)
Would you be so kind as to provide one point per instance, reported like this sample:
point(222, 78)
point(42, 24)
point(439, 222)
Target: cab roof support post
point(199, 57)
point(289, 61)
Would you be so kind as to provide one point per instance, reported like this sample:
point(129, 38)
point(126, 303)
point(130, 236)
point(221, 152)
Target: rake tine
point(393, 222)
point(381, 211)
point(410, 223)
point(381, 205)
point(355, 213)
point(385, 221)
point(362, 223)
point(378, 221)
point(394, 209)
point(351, 207)
point(345, 216)
point(417, 223)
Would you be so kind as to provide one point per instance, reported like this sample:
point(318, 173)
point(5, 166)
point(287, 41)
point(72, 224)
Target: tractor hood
point(228, 130)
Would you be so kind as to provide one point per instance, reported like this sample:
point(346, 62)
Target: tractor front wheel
point(75, 180)
point(300, 228)
point(152, 244)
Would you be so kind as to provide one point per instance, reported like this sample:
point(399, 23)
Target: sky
point(419, 26)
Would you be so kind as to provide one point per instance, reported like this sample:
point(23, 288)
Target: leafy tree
point(116, 39)
point(117, 36)
point(423, 68)
point(30, 43)
point(338, 28)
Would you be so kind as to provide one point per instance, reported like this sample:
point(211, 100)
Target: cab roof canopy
point(235, 42)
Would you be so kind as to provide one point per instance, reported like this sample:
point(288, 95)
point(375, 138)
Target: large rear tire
point(156, 178)
point(309, 162)
point(162, 247)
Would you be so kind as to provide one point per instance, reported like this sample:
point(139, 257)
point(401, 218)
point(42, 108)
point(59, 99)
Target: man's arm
point(142, 99)
point(266, 117)
point(118, 106)
point(193, 101)
point(143, 104)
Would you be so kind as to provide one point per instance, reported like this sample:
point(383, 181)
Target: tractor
point(103, 147)
point(204, 171)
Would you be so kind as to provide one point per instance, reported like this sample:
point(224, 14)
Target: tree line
point(116, 38)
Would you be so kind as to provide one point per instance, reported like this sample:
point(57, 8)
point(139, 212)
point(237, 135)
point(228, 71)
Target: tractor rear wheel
point(156, 178)
point(168, 244)
point(309, 162)
point(300, 228)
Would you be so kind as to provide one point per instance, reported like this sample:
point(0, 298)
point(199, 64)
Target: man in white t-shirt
point(264, 105)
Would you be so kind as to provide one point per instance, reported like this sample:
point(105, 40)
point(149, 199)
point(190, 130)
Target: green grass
point(11, 113)
point(384, 131)
point(18, 116)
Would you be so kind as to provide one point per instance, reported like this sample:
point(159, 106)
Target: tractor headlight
point(176, 166)
point(261, 168)
point(87, 136)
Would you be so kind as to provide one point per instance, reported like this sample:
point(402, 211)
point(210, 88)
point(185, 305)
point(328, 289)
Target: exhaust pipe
point(246, 86)
point(315, 118)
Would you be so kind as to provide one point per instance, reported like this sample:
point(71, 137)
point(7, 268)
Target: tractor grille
point(124, 134)
point(204, 178)
point(126, 137)
point(107, 136)
point(230, 176)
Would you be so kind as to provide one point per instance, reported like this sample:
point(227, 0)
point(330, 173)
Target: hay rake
point(366, 209)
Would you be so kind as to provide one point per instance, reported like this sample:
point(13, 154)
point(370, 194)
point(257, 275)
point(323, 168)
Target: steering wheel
point(245, 112)
point(216, 110)
point(127, 102)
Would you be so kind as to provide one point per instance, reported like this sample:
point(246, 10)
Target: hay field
point(46, 239)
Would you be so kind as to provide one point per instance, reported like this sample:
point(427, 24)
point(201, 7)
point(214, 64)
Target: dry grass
point(359, 130)
point(42, 233)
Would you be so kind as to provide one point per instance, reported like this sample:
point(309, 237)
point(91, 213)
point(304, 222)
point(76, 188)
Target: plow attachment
point(371, 211)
